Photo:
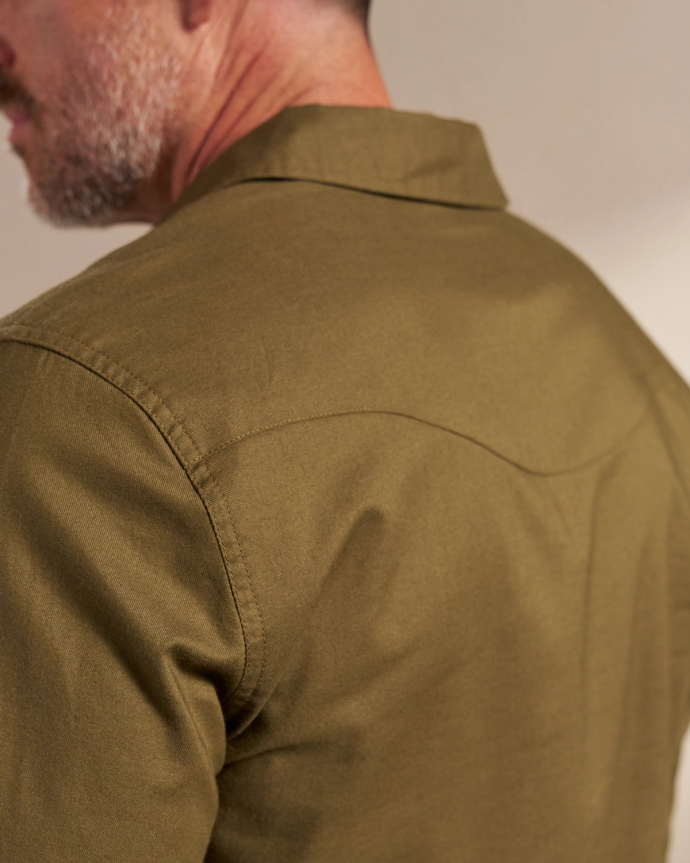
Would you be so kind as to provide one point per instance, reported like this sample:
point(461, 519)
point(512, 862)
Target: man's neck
point(262, 67)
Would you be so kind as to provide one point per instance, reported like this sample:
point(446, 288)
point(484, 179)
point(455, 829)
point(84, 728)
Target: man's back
point(353, 516)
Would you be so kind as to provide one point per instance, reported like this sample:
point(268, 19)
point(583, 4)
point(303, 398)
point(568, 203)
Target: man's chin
point(19, 150)
point(72, 207)
point(67, 189)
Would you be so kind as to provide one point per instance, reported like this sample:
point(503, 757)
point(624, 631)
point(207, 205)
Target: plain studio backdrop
point(584, 104)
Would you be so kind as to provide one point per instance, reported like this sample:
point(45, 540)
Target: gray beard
point(108, 134)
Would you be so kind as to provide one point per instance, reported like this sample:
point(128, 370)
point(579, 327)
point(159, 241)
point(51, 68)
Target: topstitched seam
point(187, 469)
point(131, 375)
point(251, 586)
point(366, 411)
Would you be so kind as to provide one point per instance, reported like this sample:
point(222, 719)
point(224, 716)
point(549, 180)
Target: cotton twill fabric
point(344, 516)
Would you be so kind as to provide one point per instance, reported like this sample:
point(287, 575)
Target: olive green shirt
point(344, 517)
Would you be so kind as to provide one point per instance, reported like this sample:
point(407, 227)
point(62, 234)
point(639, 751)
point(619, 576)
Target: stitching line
point(131, 375)
point(286, 423)
point(364, 411)
point(188, 470)
point(251, 588)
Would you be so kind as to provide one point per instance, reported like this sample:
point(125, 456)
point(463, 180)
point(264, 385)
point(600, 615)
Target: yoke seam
point(382, 412)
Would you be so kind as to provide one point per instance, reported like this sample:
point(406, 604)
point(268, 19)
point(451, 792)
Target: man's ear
point(196, 12)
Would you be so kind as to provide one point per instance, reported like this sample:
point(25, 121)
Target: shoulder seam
point(198, 473)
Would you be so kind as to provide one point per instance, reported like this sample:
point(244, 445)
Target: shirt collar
point(376, 150)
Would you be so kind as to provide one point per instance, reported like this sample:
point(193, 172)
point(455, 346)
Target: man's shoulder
point(271, 301)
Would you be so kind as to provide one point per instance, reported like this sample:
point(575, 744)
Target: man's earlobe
point(196, 12)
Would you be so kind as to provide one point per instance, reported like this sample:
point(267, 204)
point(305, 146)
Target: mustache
point(13, 93)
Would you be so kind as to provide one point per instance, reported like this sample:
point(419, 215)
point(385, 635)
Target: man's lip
point(15, 115)
point(21, 121)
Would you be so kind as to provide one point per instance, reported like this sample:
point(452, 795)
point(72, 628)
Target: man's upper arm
point(118, 632)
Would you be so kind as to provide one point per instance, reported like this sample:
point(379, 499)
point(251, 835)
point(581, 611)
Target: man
point(344, 515)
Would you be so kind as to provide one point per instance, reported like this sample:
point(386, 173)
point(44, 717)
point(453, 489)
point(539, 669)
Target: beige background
point(585, 107)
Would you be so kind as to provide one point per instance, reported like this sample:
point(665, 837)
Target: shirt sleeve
point(119, 638)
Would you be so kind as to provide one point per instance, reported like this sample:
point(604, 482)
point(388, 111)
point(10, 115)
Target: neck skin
point(249, 60)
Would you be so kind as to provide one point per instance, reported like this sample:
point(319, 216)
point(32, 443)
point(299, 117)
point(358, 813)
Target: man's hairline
point(360, 8)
